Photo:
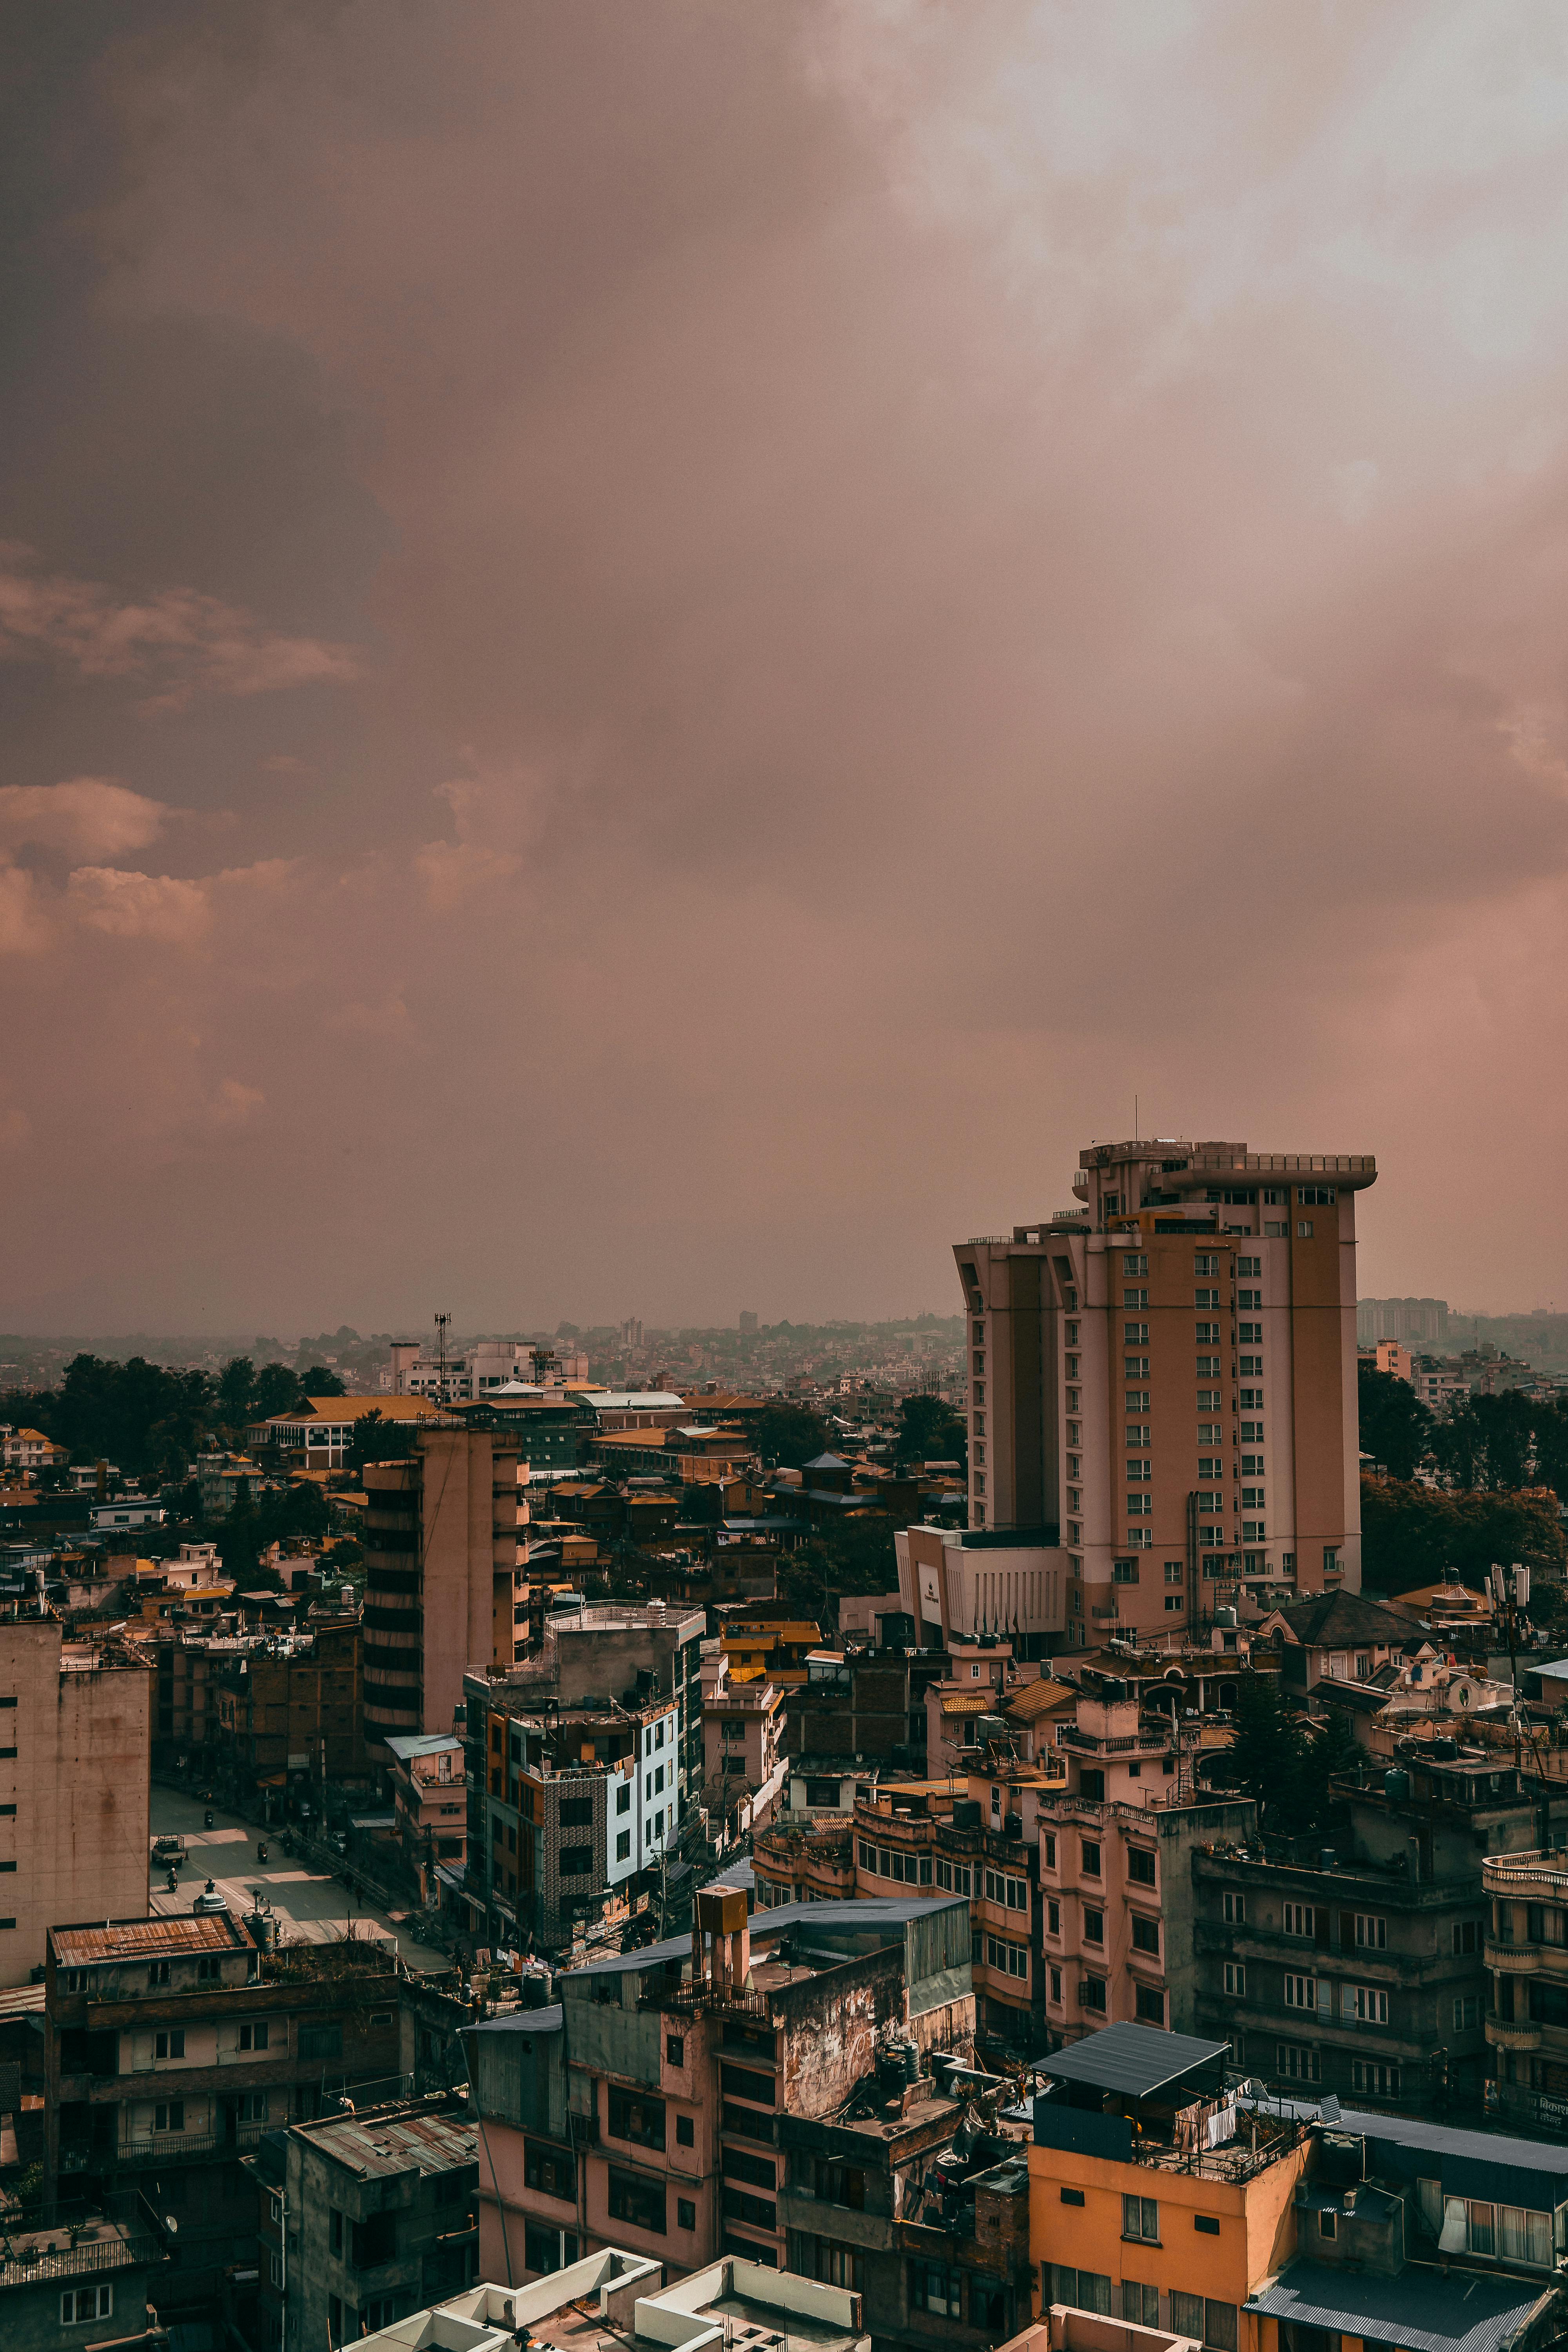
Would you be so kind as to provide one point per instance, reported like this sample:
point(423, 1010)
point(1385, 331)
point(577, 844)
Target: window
point(1047, 1850)
point(1135, 1262)
point(169, 2116)
point(1235, 1978)
point(1125, 1572)
point(1466, 2011)
point(1208, 1368)
point(1304, 1229)
point(835, 2265)
point(171, 2044)
point(674, 2050)
point(1093, 1927)
point(1013, 1894)
point(1053, 1918)
point(739, 2083)
point(1211, 2324)
point(1175, 1604)
point(1381, 2081)
point(1091, 1994)
point(836, 2184)
point(1301, 1993)
point(1141, 2305)
point(1086, 2290)
point(80, 2303)
point(1135, 1335)
point(1202, 1299)
point(1298, 2061)
point(1011, 1960)
point(1149, 2005)
point(253, 2037)
point(576, 1812)
point(1314, 1196)
point(1142, 1536)
point(577, 1861)
point(1090, 1858)
point(1300, 1920)
point(623, 1845)
point(1467, 1935)
point(1145, 1935)
point(1137, 1468)
point(639, 2200)
point(1368, 2004)
point(157, 1975)
point(1208, 1334)
point(1135, 1298)
point(321, 2042)
point(934, 2288)
point(253, 2108)
point(685, 2213)
point(1140, 1865)
point(1210, 1467)
point(1140, 2218)
point(624, 1798)
point(549, 2170)
point(1136, 1401)
point(1056, 1984)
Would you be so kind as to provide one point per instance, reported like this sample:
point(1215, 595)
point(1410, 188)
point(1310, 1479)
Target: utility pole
point(441, 1323)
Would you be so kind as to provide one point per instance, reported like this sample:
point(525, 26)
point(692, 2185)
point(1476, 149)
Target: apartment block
point(1162, 1384)
point(583, 1765)
point(742, 1738)
point(75, 1738)
point(364, 2218)
point(1526, 2008)
point(445, 1575)
point(88, 2278)
point(1358, 1969)
point(644, 2110)
point(290, 1704)
point(431, 1807)
point(171, 2044)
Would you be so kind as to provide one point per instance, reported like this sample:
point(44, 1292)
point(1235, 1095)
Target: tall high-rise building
point(445, 1575)
point(1415, 1322)
point(1163, 1383)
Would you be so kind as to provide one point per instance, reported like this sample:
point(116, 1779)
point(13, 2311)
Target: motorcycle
point(172, 1881)
point(207, 1819)
point(261, 1854)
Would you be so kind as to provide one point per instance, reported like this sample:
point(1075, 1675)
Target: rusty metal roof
point(141, 1940)
point(416, 2139)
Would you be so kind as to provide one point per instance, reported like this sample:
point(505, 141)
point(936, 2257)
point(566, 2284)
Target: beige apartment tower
point(1163, 1383)
point(75, 1732)
point(445, 1575)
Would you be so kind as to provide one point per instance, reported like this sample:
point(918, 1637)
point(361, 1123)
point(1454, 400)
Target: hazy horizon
point(654, 657)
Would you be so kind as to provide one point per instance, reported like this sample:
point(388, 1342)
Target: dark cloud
point(753, 617)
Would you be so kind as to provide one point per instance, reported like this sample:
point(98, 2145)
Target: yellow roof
point(966, 1703)
point(1026, 1700)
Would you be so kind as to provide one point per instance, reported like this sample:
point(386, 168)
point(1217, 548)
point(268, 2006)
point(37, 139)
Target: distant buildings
point(1418, 1323)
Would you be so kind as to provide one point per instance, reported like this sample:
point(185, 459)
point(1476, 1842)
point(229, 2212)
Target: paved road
point(313, 1905)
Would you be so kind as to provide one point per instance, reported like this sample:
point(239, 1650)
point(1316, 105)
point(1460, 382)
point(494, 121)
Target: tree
point(1395, 1426)
point(376, 1439)
point(1267, 1757)
point(790, 1435)
point(321, 1383)
point(278, 1390)
point(929, 1431)
point(235, 1392)
point(1413, 1535)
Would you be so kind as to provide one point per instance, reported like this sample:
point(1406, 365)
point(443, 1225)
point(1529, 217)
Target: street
point(310, 1906)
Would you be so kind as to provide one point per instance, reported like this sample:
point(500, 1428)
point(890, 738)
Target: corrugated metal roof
point(870, 1911)
point(1480, 2147)
point(1421, 2311)
point(383, 2144)
point(523, 2020)
point(422, 1743)
point(139, 1939)
point(1136, 2058)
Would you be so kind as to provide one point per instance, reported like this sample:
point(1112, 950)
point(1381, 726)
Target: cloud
point(87, 816)
point(25, 925)
point(127, 906)
point(236, 1105)
point(191, 644)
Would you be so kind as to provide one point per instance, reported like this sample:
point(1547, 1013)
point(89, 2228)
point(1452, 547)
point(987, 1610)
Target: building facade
point(75, 1745)
point(446, 1574)
point(1162, 1387)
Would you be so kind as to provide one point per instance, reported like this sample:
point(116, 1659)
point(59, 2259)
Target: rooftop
point(172, 1937)
point(411, 2136)
point(1421, 2310)
point(1137, 2061)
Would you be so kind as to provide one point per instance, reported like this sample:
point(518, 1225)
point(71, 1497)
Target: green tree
point(319, 1381)
point(929, 1431)
point(278, 1390)
point(790, 1435)
point(1266, 1758)
point(236, 1398)
point(1412, 1535)
point(146, 1417)
point(376, 1439)
point(1395, 1426)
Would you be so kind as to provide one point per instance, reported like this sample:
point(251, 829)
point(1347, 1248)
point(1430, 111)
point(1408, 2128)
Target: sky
point(654, 656)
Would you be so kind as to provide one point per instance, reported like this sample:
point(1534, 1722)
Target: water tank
point(1224, 1617)
point(966, 1813)
point(1396, 1785)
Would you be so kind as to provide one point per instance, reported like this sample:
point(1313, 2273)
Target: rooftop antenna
point(441, 1323)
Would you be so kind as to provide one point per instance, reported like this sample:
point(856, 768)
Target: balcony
point(1525, 1960)
point(1512, 2037)
point(178, 2148)
point(1528, 1876)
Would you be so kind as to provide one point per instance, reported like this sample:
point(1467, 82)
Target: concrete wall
point(73, 1770)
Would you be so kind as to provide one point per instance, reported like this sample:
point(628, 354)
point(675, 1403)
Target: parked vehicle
point(261, 1852)
point(209, 1899)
